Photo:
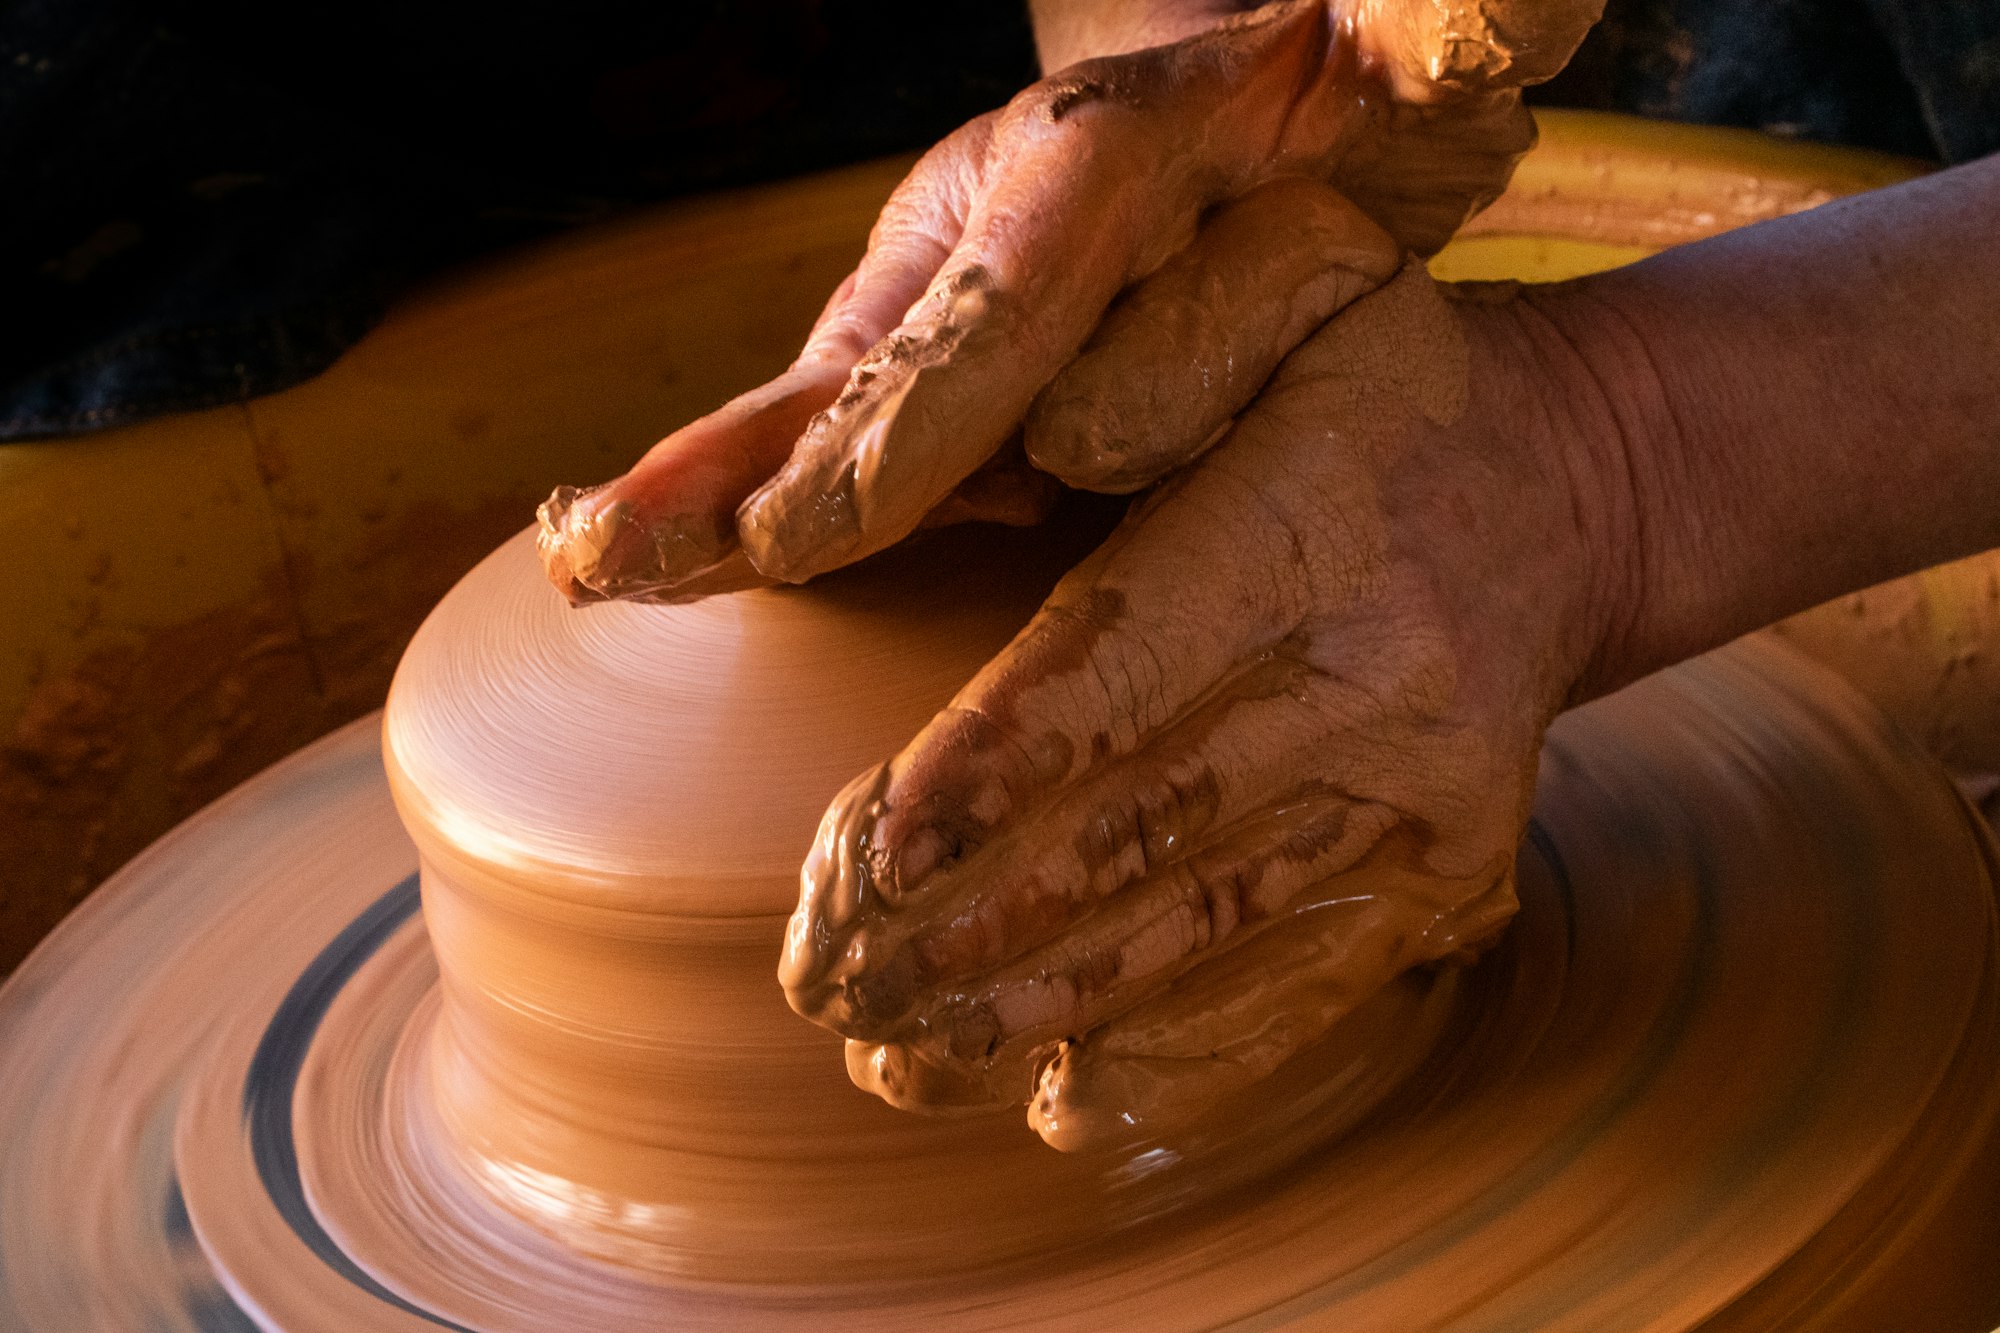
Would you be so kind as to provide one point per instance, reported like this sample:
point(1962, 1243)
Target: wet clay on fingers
point(997, 258)
point(1199, 809)
point(1184, 352)
point(1288, 91)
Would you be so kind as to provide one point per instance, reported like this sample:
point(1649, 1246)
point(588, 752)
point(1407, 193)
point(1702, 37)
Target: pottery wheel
point(1733, 1066)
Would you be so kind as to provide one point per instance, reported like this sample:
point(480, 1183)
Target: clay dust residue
point(110, 754)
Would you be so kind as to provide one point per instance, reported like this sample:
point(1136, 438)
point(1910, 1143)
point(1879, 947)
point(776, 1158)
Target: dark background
point(205, 200)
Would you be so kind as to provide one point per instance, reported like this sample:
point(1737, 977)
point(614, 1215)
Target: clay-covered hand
point(1269, 746)
point(1210, 180)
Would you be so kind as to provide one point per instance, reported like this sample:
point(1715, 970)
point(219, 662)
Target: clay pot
point(612, 805)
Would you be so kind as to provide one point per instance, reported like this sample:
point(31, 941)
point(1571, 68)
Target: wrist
point(1600, 412)
point(1781, 415)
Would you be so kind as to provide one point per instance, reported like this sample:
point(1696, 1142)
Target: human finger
point(1183, 597)
point(1237, 756)
point(980, 1042)
point(1123, 646)
point(999, 1027)
point(1095, 178)
point(666, 529)
point(1187, 348)
point(1006, 489)
point(1232, 1020)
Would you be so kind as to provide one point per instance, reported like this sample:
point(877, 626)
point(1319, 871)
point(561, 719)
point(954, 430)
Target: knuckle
point(1223, 895)
point(1063, 99)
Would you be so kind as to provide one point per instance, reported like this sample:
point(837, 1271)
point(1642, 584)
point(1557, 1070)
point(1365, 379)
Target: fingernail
point(874, 1004)
point(579, 527)
point(922, 852)
point(553, 546)
point(554, 511)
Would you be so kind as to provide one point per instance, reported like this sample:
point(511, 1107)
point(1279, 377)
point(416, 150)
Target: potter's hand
point(994, 263)
point(1275, 740)
point(1271, 745)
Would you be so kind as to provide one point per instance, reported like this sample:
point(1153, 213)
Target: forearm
point(1803, 408)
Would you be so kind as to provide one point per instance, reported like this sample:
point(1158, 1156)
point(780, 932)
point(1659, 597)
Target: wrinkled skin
point(1179, 356)
point(1271, 745)
point(996, 261)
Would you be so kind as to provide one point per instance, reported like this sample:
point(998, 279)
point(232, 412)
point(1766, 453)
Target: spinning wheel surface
point(1733, 1063)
